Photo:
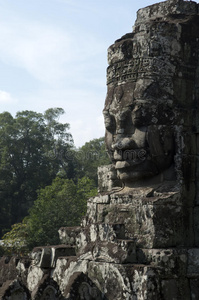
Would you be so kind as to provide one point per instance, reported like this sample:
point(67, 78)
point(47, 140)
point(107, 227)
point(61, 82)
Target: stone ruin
point(140, 237)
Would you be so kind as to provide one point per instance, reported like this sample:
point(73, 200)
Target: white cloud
point(68, 61)
point(39, 49)
point(6, 98)
point(48, 53)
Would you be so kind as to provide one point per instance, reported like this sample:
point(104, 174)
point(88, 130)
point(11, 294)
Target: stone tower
point(140, 237)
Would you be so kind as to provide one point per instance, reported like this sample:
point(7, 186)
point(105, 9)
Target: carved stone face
point(138, 137)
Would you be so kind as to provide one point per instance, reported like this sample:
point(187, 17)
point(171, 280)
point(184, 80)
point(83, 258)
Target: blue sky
point(53, 53)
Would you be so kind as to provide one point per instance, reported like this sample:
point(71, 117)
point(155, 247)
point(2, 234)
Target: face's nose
point(123, 143)
point(131, 142)
point(118, 155)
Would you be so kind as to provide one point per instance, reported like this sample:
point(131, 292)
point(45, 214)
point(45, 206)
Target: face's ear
point(109, 96)
point(118, 93)
point(153, 139)
point(161, 145)
point(109, 143)
point(109, 122)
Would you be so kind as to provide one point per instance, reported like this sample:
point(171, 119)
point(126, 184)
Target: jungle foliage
point(44, 180)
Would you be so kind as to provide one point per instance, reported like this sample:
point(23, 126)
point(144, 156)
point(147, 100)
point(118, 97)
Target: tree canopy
point(44, 180)
point(30, 147)
point(63, 203)
point(89, 157)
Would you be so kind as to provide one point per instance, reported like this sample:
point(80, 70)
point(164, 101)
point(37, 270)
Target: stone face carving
point(150, 92)
point(139, 133)
point(139, 136)
point(140, 111)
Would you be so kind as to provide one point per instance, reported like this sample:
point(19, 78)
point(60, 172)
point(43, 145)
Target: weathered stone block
point(193, 262)
point(35, 275)
point(107, 178)
point(167, 7)
point(148, 222)
point(194, 286)
point(173, 289)
point(189, 169)
point(188, 195)
point(45, 257)
point(8, 268)
point(196, 225)
point(14, 290)
point(145, 282)
point(197, 140)
point(23, 269)
point(167, 193)
point(106, 232)
point(183, 89)
point(122, 251)
point(169, 289)
point(197, 183)
point(163, 226)
point(106, 242)
point(111, 279)
point(190, 143)
point(67, 235)
point(197, 194)
point(101, 199)
point(66, 272)
point(170, 262)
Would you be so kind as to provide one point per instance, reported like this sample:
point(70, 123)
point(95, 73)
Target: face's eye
point(132, 106)
point(109, 121)
point(137, 107)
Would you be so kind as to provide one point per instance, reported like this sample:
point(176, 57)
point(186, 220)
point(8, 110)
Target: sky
point(53, 53)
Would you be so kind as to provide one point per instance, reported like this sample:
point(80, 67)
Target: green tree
point(89, 157)
point(14, 241)
point(63, 203)
point(30, 158)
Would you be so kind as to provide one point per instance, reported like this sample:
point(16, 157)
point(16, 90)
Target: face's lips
point(127, 164)
point(129, 158)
